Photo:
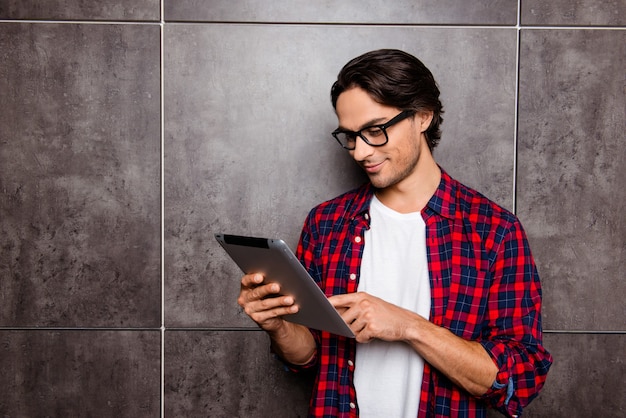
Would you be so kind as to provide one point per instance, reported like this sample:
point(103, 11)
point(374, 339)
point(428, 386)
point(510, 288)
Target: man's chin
point(378, 181)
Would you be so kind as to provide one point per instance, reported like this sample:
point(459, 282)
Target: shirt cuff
point(298, 367)
point(501, 394)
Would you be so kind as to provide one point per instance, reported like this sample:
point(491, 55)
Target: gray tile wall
point(131, 132)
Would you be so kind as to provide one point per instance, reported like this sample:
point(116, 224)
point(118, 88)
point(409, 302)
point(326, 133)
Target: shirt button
point(357, 240)
point(352, 405)
point(366, 216)
point(353, 276)
point(350, 363)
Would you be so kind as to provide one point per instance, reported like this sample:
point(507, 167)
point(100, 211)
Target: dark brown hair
point(394, 78)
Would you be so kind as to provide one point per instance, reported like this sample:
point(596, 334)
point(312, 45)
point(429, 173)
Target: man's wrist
point(294, 343)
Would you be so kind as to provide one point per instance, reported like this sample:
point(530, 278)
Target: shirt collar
point(360, 205)
point(443, 201)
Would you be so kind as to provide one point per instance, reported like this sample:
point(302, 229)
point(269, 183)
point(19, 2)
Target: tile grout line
point(162, 22)
point(516, 103)
point(162, 184)
point(250, 329)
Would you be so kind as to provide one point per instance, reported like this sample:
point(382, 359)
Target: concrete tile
point(229, 374)
point(128, 10)
point(497, 12)
point(586, 379)
point(574, 12)
point(79, 175)
point(248, 147)
point(571, 173)
point(80, 373)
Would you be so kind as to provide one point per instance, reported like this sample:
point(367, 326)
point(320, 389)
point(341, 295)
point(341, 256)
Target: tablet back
point(275, 260)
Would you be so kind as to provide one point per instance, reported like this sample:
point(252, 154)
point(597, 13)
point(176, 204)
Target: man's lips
point(372, 167)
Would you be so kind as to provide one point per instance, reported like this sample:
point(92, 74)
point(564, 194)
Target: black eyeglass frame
point(383, 127)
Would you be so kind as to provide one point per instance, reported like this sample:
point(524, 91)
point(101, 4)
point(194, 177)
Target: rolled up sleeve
point(514, 336)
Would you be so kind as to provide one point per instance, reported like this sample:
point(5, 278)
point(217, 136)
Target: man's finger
point(342, 301)
point(250, 280)
point(262, 292)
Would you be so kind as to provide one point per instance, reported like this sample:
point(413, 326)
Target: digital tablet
point(275, 260)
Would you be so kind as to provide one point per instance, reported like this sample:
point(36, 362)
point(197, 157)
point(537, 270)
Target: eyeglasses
point(374, 135)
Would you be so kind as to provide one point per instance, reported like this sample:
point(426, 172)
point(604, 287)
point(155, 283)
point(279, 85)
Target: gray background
point(132, 131)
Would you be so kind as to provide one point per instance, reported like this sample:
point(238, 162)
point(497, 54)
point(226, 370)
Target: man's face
point(396, 161)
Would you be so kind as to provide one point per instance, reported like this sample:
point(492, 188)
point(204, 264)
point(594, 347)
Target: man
point(436, 281)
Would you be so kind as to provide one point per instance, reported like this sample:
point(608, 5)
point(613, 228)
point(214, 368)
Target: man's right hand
point(263, 304)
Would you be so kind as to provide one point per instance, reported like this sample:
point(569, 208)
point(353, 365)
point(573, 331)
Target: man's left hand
point(370, 317)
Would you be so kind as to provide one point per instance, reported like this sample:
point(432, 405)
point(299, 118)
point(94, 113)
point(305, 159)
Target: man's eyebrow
point(376, 121)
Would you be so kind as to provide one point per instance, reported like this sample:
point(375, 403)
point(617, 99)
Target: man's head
point(396, 79)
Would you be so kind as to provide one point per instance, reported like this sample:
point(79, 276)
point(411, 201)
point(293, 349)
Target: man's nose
point(361, 150)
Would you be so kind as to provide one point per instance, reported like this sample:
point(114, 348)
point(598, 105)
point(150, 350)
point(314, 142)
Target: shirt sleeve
point(514, 336)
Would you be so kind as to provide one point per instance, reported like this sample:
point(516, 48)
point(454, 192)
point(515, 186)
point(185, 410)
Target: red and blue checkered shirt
point(484, 287)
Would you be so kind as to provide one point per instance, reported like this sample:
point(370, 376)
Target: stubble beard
point(407, 167)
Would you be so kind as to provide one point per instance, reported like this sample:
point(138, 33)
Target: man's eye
point(373, 132)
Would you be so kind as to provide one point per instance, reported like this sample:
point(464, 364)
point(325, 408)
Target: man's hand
point(371, 318)
point(261, 302)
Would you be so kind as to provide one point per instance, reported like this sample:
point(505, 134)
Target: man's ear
point(423, 119)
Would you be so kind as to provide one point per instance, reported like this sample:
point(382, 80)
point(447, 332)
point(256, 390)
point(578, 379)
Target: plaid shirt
point(484, 287)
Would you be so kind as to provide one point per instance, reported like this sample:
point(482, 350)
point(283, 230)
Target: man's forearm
point(466, 363)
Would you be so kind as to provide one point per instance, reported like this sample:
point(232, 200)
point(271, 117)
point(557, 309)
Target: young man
point(436, 281)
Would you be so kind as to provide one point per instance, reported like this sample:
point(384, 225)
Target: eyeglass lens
point(374, 135)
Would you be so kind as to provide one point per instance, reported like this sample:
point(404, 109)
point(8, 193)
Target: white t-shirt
point(388, 375)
